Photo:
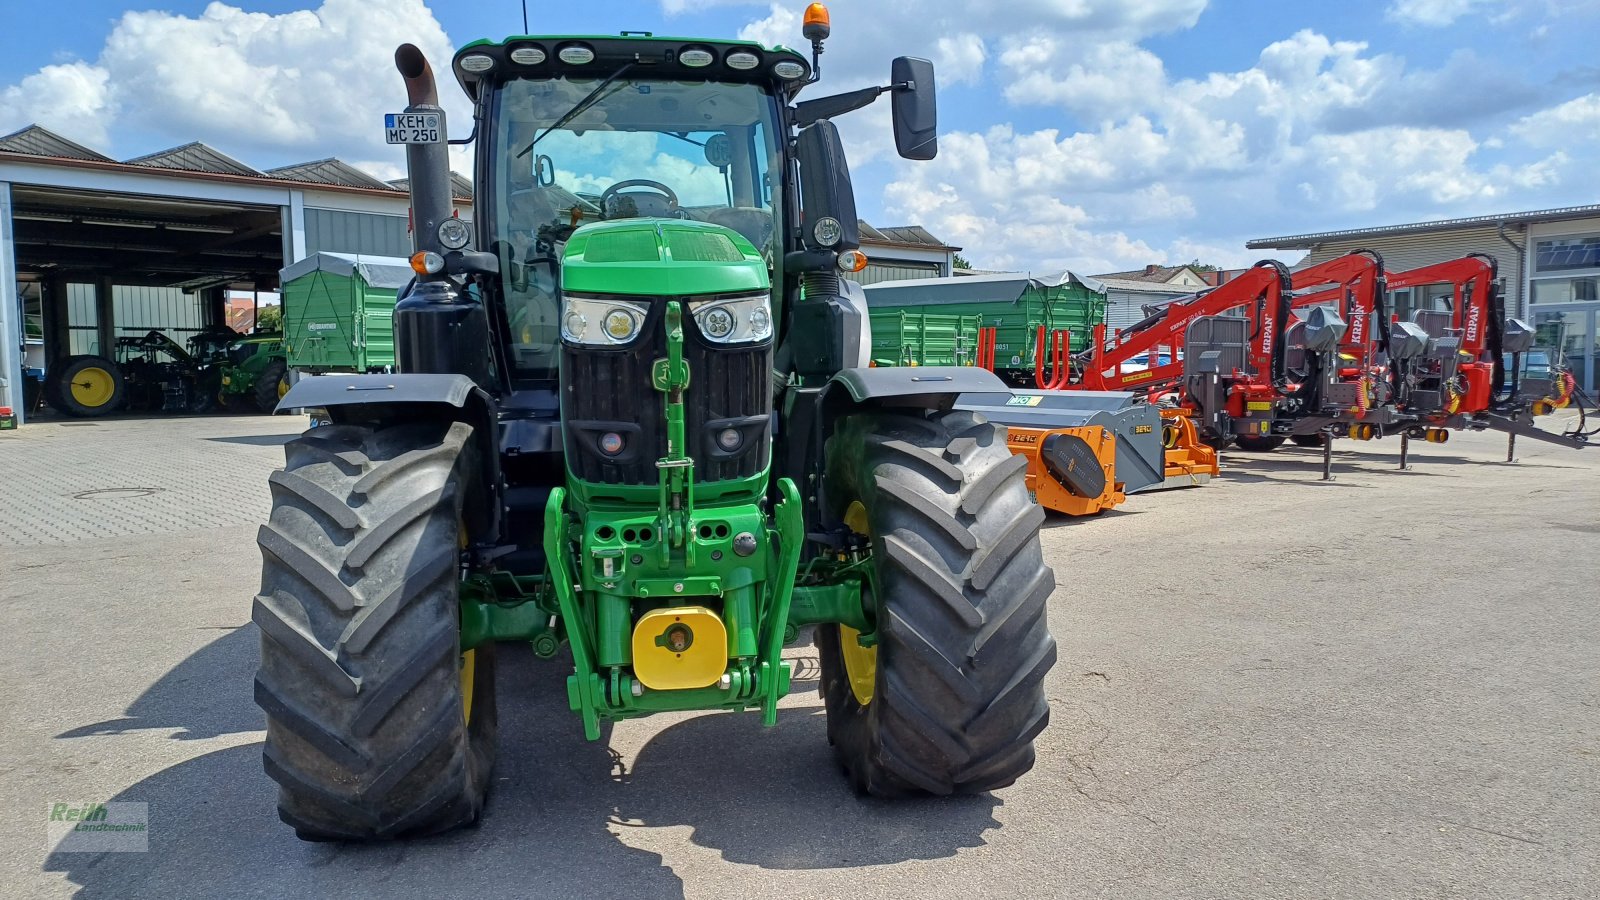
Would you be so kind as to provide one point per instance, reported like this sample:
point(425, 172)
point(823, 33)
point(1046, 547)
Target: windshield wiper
point(578, 108)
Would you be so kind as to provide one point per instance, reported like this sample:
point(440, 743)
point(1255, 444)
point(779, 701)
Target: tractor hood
point(661, 257)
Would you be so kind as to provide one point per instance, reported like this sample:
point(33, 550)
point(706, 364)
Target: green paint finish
point(612, 567)
point(913, 326)
point(338, 322)
point(238, 380)
point(840, 603)
point(661, 257)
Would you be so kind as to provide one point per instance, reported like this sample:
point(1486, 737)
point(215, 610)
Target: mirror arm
point(811, 111)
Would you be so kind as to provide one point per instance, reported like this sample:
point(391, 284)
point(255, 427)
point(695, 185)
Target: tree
point(269, 318)
point(961, 262)
point(1199, 266)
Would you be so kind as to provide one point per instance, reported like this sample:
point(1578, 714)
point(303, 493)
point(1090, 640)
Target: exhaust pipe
point(427, 165)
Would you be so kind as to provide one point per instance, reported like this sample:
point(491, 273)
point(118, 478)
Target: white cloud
point(781, 26)
point(1436, 13)
point(960, 58)
point(310, 80)
point(73, 99)
point(1574, 121)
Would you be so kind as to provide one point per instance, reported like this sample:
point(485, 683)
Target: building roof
point(1006, 286)
point(195, 160)
point(194, 157)
point(1152, 273)
point(460, 185)
point(36, 140)
point(329, 171)
point(1144, 287)
point(1308, 241)
point(902, 235)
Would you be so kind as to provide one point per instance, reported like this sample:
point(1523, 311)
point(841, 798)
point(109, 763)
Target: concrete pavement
point(1384, 686)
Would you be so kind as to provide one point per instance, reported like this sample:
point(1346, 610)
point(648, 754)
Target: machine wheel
point(271, 385)
point(952, 695)
point(1256, 443)
point(1307, 440)
point(86, 386)
point(378, 726)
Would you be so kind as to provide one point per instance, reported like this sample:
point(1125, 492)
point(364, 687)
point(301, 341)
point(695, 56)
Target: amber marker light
point(815, 24)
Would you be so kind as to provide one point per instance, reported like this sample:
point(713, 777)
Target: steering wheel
point(612, 192)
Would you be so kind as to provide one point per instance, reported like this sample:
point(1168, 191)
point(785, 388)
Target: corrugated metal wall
point(1124, 308)
point(1412, 251)
point(138, 309)
point(82, 319)
point(894, 270)
point(348, 232)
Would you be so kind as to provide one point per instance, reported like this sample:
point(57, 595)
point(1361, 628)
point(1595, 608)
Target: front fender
point(930, 387)
point(379, 400)
point(328, 391)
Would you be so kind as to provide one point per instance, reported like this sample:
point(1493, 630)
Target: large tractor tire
point(378, 725)
point(951, 697)
point(271, 385)
point(1308, 440)
point(86, 386)
point(1256, 443)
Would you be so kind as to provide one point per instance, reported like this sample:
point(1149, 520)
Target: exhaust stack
point(427, 165)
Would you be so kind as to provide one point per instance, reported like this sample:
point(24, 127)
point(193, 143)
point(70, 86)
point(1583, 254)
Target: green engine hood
point(661, 257)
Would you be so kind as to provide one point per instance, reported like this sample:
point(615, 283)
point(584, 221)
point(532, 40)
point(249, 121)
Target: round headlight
point(576, 54)
point(743, 59)
point(718, 323)
point(729, 439)
point(527, 56)
point(760, 322)
point(695, 57)
point(611, 443)
point(827, 231)
point(788, 69)
point(573, 326)
point(476, 62)
point(454, 233)
point(620, 325)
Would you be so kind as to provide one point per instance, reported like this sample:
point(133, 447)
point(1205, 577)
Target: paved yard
point(1385, 686)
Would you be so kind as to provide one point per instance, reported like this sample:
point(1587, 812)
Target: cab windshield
point(635, 147)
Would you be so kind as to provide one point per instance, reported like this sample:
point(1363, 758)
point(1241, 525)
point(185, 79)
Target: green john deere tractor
point(637, 425)
point(253, 372)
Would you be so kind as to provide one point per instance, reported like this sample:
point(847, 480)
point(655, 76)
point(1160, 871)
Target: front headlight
point(601, 321)
point(734, 320)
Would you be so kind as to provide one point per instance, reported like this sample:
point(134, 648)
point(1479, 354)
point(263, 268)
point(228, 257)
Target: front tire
point(378, 725)
point(954, 695)
point(1308, 440)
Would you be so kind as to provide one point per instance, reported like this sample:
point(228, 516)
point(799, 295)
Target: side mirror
point(825, 189)
point(916, 109)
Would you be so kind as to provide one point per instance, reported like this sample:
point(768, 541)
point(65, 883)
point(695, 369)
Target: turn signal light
point(852, 261)
point(815, 25)
point(427, 263)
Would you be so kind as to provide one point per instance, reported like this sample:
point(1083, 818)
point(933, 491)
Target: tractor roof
point(595, 56)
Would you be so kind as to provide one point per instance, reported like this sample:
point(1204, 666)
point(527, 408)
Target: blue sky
point(1095, 134)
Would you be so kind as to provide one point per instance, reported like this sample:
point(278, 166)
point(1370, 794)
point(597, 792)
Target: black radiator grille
point(610, 390)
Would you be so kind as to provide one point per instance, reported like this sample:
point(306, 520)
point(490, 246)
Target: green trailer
point(935, 321)
point(904, 337)
point(338, 312)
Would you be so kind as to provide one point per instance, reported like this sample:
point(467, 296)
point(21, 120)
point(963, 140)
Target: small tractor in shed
point(638, 426)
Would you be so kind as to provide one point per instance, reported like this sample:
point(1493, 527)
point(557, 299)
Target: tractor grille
point(609, 391)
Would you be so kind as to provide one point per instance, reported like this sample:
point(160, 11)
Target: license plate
point(413, 128)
